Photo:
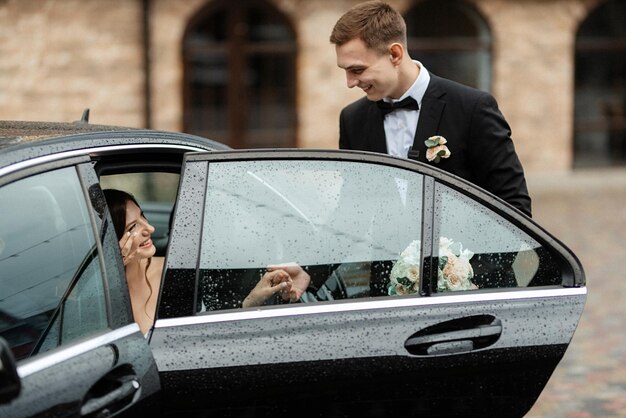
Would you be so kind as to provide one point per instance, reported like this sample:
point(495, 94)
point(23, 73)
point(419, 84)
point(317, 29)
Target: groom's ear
point(396, 53)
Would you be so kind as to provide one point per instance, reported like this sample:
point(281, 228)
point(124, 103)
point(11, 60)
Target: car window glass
point(50, 278)
point(480, 249)
point(345, 223)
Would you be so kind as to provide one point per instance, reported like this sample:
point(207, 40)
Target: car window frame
point(573, 277)
point(567, 261)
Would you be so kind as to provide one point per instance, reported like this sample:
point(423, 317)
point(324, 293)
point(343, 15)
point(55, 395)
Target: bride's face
point(137, 223)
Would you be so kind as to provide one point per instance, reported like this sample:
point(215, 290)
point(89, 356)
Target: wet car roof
point(19, 132)
point(22, 140)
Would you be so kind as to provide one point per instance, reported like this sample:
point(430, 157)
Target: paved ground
point(587, 211)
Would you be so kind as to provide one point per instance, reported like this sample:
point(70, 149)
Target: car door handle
point(111, 400)
point(445, 339)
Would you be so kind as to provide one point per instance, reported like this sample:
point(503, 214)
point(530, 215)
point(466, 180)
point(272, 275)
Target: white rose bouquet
point(405, 273)
point(454, 271)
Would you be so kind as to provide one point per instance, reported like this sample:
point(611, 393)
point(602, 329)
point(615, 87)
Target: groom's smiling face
point(368, 70)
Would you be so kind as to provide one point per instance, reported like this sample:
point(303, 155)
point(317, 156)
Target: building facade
point(261, 73)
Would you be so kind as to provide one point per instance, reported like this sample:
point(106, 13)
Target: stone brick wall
point(168, 23)
point(58, 57)
point(533, 75)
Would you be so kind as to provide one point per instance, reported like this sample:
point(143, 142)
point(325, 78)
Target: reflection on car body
point(472, 320)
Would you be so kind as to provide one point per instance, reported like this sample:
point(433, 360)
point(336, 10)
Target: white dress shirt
point(400, 125)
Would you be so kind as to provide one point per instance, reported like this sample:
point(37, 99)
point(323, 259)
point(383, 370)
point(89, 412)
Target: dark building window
point(452, 40)
point(239, 75)
point(600, 74)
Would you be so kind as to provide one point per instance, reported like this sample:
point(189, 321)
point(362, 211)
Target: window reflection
point(502, 254)
point(343, 222)
point(50, 281)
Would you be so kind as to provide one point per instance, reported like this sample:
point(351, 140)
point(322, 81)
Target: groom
point(405, 106)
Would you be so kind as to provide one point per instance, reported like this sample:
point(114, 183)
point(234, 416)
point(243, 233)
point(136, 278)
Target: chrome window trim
point(74, 153)
point(362, 304)
point(48, 360)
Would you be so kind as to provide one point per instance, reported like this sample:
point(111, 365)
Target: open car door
point(64, 304)
point(428, 296)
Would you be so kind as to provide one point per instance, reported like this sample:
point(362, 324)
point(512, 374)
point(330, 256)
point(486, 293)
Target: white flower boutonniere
point(436, 148)
point(455, 271)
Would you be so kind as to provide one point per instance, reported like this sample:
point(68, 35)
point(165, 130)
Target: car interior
point(152, 177)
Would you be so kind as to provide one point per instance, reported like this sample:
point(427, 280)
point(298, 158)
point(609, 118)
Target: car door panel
point(86, 378)
point(83, 353)
point(327, 349)
point(485, 352)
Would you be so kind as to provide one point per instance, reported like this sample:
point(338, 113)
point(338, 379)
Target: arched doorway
point(452, 40)
point(239, 75)
point(600, 87)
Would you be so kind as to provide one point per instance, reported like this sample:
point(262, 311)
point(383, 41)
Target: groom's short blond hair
point(376, 23)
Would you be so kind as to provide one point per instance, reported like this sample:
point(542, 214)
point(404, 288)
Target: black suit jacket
point(479, 138)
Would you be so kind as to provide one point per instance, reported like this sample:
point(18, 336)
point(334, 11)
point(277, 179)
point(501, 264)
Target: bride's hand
point(129, 246)
point(299, 277)
point(271, 283)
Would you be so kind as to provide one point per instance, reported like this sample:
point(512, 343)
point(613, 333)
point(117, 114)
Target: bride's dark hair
point(116, 201)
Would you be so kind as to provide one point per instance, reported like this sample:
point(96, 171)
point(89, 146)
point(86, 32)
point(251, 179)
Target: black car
point(428, 296)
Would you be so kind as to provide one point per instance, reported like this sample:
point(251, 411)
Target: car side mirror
point(10, 384)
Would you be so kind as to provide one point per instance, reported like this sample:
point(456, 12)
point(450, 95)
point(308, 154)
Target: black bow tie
point(407, 103)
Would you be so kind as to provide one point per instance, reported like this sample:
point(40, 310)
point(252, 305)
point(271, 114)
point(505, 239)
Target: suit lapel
point(376, 130)
point(430, 115)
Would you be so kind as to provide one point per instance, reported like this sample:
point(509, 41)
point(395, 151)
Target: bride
point(144, 270)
